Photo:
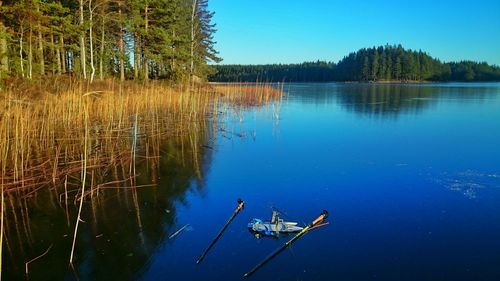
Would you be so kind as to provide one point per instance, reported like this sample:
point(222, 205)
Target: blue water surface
point(410, 175)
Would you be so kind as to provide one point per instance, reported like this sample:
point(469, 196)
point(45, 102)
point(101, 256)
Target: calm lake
point(410, 175)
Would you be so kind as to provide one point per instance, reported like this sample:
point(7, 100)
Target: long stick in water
point(313, 224)
point(178, 231)
point(241, 203)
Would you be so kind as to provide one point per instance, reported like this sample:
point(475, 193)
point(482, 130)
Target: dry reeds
point(44, 135)
point(79, 138)
point(249, 94)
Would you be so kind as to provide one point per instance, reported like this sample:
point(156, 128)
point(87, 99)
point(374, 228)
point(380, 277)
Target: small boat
point(273, 227)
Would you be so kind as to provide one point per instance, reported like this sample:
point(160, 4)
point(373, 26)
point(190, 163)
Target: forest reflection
point(387, 100)
point(123, 221)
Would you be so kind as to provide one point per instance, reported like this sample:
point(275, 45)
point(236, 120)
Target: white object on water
point(273, 227)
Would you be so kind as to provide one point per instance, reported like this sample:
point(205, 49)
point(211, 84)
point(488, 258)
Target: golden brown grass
point(48, 128)
point(43, 138)
point(248, 94)
point(67, 134)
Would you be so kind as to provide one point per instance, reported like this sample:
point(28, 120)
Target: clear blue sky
point(290, 31)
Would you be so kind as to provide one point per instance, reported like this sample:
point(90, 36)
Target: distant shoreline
point(383, 64)
point(354, 82)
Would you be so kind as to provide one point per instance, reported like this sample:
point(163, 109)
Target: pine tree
point(202, 43)
point(4, 59)
point(382, 65)
point(365, 73)
point(375, 65)
point(397, 68)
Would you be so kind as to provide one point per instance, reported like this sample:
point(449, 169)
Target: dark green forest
point(304, 72)
point(384, 63)
point(99, 39)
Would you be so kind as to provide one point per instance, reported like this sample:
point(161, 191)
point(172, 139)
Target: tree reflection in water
point(123, 220)
point(388, 100)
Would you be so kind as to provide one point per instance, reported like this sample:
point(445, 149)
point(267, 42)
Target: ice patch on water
point(472, 173)
point(468, 182)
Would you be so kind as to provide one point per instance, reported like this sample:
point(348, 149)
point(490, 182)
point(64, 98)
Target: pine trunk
point(52, 52)
point(4, 61)
point(136, 56)
point(3, 54)
point(40, 48)
point(30, 54)
point(83, 58)
point(63, 53)
point(122, 48)
point(101, 54)
point(58, 59)
point(146, 27)
point(92, 68)
point(21, 58)
point(193, 18)
point(173, 56)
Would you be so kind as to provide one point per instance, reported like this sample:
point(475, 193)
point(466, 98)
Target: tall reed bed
point(52, 129)
point(74, 140)
point(43, 139)
point(249, 94)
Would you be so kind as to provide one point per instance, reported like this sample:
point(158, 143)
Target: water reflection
point(389, 100)
point(121, 225)
point(391, 214)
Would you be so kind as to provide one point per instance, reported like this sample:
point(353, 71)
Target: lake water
point(410, 175)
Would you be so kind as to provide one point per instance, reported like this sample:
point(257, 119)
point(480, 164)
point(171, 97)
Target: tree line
point(304, 72)
point(98, 39)
point(383, 63)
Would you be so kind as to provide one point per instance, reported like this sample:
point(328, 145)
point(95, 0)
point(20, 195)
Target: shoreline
point(352, 82)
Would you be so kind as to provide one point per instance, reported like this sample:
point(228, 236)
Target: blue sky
point(290, 31)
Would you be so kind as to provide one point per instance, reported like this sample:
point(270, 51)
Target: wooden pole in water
point(312, 225)
point(241, 204)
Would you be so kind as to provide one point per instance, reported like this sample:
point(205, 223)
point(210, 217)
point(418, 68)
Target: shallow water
point(409, 173)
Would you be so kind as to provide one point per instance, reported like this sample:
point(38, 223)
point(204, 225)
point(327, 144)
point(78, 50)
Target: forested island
point(377, 64)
